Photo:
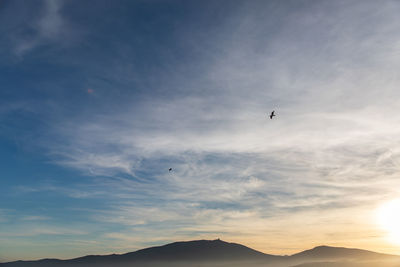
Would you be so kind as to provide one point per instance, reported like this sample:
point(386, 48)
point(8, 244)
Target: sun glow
point(389, 219)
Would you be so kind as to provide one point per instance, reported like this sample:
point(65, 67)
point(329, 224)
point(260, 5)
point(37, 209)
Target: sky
point(98, 99)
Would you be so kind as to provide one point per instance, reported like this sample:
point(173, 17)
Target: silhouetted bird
point(170, 169)
point(272, 114)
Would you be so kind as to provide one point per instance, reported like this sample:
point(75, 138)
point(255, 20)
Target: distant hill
point(190, 251)
point(219, 253)
point(199, 250)
point(325, 252)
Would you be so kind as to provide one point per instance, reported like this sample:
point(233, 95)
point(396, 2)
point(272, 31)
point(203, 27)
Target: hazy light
point(389, 219)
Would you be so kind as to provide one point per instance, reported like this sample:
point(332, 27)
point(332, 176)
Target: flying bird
point(272, 114)
point(170, 169)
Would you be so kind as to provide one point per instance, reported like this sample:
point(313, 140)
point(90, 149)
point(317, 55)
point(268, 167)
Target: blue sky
point(99, 98)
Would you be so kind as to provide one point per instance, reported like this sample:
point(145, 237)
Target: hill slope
point(326, 252)
point(219, 253)
point(199, 251)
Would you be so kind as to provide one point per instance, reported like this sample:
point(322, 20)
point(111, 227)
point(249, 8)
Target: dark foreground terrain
point(219, 253)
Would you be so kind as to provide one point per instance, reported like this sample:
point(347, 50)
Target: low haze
point(130, 124)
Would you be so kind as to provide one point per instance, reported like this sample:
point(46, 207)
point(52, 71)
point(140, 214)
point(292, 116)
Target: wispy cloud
point(4, 215)
point(35, 218)
point(332, 150)
point(40, 230)
point(330, 79)
point(45, 25)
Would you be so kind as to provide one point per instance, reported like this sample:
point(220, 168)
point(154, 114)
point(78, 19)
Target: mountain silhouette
point(199, 250)
point(326, 252)
point(220, 253)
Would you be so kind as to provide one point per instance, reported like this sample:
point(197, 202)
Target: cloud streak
point(331, 142)
point(332, 150)
point(29, 30)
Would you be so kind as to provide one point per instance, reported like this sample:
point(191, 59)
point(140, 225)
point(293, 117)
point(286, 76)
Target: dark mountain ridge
point(207, 253)
point(199, 250)
point(326, 252)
